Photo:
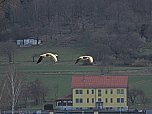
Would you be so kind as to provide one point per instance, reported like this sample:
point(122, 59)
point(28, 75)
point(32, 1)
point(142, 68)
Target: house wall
point(84, 97)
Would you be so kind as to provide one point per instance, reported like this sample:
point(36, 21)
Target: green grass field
point(57, 76)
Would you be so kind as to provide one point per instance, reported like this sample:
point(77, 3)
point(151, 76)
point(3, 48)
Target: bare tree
point(25, 95)
point(3, 84)
point(14, 86)
point(2, 1)
point(133, 93)
point(38, 91)
point(137, 95)
point(143, 98)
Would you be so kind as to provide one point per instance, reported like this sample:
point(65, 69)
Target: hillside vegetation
point(117, 33)
point(114, 32)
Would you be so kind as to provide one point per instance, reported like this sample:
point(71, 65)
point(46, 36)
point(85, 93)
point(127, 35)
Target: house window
point(106, 100)
point(92, 100)
point(87, 100)
point(69, 103)
point(111, 91)
point(99, 92)
point(79, 100)
point(78, 92)
point(87, 91)
point(92, 91)
point(59, 103)
point(120, 100)
point(107, 108)
point(81, 92)
point(120, 91)
point(106, 91)
point(64, 104)
point(99, 99)
point(111, 100)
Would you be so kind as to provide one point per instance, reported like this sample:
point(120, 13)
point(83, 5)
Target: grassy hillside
point(57, 76)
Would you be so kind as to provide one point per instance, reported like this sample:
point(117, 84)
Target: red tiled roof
point(65, 97)
point(99, 81)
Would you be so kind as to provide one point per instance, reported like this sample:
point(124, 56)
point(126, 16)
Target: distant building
point(100, 92)
point(28, 42)
point(64, 103)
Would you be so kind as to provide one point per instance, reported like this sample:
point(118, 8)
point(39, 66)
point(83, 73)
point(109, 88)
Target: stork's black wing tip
point(39, 60)
point(77, 61)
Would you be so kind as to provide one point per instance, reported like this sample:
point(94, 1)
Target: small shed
point(28, 42)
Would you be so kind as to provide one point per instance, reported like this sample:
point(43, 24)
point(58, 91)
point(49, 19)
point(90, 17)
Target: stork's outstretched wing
point(90, 59)
point(40, 59)
point(77, 60)
point(54, 58)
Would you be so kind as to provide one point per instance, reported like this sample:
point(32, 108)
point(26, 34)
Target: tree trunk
point(13, 95)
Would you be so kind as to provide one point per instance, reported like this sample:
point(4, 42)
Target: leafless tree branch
point(2, 1)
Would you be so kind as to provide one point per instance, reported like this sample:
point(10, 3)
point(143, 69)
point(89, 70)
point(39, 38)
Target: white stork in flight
point(50, 55)
point(84, 58)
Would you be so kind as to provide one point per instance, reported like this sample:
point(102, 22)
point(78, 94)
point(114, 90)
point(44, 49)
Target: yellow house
point(100, 92)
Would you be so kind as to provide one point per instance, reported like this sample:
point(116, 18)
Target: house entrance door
point(99, 105)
